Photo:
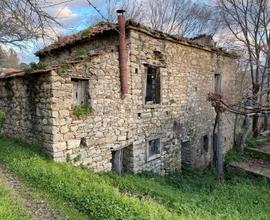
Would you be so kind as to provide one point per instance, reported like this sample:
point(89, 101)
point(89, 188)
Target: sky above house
point(74, 15)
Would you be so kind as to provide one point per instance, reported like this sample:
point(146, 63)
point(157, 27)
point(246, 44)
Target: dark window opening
point(80, 92)
point(152, 85)
point(153, 148)
point(122, 160)
point(217, 83)
point(205, 143)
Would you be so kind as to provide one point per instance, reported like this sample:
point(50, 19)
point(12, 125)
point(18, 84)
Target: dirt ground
point(38, 208)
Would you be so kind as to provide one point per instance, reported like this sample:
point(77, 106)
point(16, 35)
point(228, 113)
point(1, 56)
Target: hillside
point(189, 195)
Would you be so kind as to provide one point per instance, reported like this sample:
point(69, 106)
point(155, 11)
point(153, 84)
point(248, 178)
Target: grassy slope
point(190, 195)
point(10, 205)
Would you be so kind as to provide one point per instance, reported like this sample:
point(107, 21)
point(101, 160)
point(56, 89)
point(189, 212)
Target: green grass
point(83, 190)
point(189, 195)
point(253, 142)
point(10, 205)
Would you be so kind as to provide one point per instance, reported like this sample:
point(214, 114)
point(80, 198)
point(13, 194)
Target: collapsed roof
point(103, 29)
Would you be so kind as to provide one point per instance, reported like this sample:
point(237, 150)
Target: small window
point(217, 81)
point(152, 95)
point(80, 91)
point(205, 143)
point(153, 148)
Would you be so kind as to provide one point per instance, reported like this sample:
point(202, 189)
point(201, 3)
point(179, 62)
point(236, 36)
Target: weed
point(79, 53)
point(64, 67)
point(86, 32)
point(68, 158)
point(36, 66)
point(2, 114)
point(234, 155)
point(82, 110)
point(250, 142)
point(77, 158)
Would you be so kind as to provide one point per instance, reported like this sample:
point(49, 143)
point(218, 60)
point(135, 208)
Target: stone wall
point(180, 121)
point(26, 102)
point(187, 76)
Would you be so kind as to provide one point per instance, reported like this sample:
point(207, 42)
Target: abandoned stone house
point(146, 92)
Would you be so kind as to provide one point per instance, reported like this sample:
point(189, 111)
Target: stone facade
point(41, 110)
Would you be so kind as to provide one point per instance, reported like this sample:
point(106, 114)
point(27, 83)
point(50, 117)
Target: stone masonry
point(39, 108)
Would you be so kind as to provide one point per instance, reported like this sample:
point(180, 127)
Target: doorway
point(122, 159)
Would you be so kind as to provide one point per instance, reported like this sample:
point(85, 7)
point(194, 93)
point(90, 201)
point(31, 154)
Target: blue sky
point(74, 15)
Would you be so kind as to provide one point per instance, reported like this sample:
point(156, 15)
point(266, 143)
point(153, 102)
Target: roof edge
point(105, 28)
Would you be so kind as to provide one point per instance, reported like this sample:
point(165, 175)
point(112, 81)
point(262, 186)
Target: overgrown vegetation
point(234, 155)
point(84, 190)
point(11, 207)
point(188, 195)
point(86, 32)
point(250, 142)
point(79, 53)
point(36, 66)
point(2, 114)
point(82, 110)
point(64, 67)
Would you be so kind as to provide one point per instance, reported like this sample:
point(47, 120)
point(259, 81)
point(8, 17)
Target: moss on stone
point(79, 53)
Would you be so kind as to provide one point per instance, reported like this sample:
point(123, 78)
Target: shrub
point(36, 66)
point(82, 110)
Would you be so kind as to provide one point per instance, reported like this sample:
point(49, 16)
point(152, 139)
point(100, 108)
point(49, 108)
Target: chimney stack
point(122, 52)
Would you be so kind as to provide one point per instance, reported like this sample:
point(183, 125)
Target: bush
point(82, 110)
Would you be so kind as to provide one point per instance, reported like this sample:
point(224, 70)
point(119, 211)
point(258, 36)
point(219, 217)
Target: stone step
point(260, 153)
point(253, 166)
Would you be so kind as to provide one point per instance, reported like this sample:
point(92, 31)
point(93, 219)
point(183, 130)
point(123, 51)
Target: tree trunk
point(220, 157)
point(235, 135)
point(255, 126)
point(265, 127)
point(243, 135)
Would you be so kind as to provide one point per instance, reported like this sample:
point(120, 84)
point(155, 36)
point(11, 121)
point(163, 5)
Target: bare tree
point(249, 21)
point(22, 20)
point(183, 17)
point(133, 8)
